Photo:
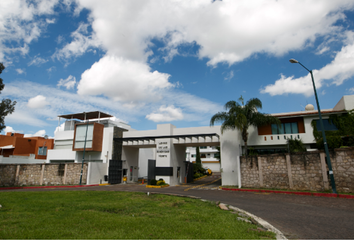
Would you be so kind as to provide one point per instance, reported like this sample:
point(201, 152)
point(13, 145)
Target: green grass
point(93, 214)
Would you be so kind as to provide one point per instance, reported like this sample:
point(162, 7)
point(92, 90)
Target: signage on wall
point(162, 149)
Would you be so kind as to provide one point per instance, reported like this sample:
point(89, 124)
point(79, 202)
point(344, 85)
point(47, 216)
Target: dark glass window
point(326, 124)
point(285, 128)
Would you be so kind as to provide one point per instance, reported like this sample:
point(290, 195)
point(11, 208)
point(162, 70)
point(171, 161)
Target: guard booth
point(115, 171)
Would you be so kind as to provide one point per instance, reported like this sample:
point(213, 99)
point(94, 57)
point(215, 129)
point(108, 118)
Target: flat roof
point(89, 115)
point(306, 113)
point(167, 136)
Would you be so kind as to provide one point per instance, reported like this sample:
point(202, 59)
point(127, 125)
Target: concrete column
point(17, 175)
point(260, 172)
point(324, 171)
point(290, 175)
point(42, 174)
point(65, 170)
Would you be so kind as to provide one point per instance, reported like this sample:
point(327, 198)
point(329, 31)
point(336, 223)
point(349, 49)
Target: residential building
point(209, 155)
point(15, 144)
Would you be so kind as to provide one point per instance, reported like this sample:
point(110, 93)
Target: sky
point(150, 62)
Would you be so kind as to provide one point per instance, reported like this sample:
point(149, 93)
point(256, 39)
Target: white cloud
point(37, 102)
point(229, 76)
point(336, 72)
point(166, 114)
point(19, 24)
point(37, 61)
point(125, 29)
point(123, 80)
point(40, 133)
point(79, 45)
point(20, 71)
point(9, 129)
point(68, 83)
point(351, 90)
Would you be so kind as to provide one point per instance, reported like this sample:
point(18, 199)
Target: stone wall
point(302, 171)
point(41, 174)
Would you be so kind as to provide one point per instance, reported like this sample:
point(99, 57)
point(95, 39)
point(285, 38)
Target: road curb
point(332, 195)
point(260, 221)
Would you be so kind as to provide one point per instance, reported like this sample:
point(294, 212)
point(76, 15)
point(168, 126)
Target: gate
point(115, 171)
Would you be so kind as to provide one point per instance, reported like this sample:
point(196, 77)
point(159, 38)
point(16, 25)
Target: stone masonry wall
point(302, 171)
point(41, 174)
point(7, 174)
point(249, 172)
point(343, 170)
point(275, 173)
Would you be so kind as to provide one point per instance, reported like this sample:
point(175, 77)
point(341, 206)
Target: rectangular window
point(80, 136)
point(202, 155)
point(202, 147)
point(42, 151)
point(328, 126)
point(193, 155)
point(285, 128)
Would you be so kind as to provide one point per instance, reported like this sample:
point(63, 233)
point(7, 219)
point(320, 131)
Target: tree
point(6, 105)
point(198, 162)
point(242, 116)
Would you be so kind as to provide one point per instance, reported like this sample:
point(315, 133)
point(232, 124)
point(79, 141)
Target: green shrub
point(160, 182)
point(153, 182)
point(296, 145)
point(332, 142)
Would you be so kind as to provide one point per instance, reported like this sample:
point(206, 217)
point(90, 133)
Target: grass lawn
point(96, 214)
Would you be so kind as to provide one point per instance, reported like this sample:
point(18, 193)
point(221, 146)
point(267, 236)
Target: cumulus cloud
point(123, 80)
point(336, 72)
point(9, 129)
point(166, 114)
point(37, 102)
point(40, 133)
point(68, 83)
point(126, 29)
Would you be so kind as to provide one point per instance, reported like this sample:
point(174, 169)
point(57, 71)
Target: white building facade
point(163, 151)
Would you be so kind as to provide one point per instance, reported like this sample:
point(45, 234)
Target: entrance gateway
point(168, 145)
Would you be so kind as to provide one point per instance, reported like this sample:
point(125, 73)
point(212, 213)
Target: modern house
point(16, 145)
point(209, 155)
point(162, 152)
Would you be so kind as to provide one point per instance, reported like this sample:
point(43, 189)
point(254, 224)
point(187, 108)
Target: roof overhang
point(86, 115)
point(128, 139)
point(7, 147)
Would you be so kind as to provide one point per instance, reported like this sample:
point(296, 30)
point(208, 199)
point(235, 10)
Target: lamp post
point(83, 155)
point(322, 128)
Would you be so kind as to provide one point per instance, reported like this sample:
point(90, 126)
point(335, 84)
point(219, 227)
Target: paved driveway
point(296, 216)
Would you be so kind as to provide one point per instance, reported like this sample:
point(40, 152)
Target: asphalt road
point(298, 217)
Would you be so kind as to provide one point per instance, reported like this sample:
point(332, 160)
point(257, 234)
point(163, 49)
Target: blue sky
point(149, 62)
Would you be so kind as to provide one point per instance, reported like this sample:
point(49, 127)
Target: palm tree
point(242, 116)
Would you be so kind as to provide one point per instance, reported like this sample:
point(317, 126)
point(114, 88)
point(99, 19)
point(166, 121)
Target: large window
point(328, 126)
point(80, 136)
point(42, 151)
point(285, 128)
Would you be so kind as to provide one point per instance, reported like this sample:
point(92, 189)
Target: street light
point(322, 128)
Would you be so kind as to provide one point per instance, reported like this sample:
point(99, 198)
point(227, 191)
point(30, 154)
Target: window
point(80, 136)
point(285, 128)
point(193, 155)
point(328, 126)
point(202, 147)
point(42, 151)
point(202, 155)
